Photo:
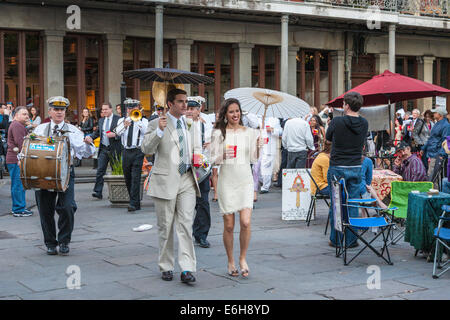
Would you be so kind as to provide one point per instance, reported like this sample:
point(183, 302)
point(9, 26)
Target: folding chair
point(359, 227)
point(314, 197)
point(399, 199)
point(442, 236)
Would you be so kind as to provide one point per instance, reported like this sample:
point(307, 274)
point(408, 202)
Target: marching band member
point(46, 200)
point(263, 169)
point(132, 134)
point(110, 146)
point(202, 132)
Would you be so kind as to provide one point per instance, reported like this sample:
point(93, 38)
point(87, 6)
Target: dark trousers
point(103, 158)
point(202, 221)
point(297, 160)
point(64, 204)
point(132, 160)
point(283, 165)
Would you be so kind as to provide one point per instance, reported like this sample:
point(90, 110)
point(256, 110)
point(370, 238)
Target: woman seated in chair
point(319, 170)
point(366, 190)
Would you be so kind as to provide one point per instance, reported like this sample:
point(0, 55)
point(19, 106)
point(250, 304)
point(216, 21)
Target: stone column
point(183, 57)
point(348, 69)
point(284, 67)
point(113, 48)
point(338, 72)
point(292, 67)
point(243, 64)
point(392, 47)
point(425, 73)
point(159, 35)
point(53, 64)
point(381, 62)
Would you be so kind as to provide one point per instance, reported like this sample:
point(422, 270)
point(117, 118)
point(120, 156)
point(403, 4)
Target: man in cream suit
point(174, 187)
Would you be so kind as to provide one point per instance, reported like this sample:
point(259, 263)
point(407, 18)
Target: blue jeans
point(17, 191)
point(352, 178)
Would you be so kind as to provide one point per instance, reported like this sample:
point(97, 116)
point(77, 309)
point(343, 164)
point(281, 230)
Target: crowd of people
point(245, 152)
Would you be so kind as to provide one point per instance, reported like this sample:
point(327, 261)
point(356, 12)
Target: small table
point(422, 218)
point(381, 181)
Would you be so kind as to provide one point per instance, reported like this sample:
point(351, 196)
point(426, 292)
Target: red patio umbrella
point(389, 87)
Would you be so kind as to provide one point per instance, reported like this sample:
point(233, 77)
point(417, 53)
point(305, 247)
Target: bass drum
point(45, 164)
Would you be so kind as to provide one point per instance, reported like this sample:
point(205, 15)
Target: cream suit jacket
point(165, 178)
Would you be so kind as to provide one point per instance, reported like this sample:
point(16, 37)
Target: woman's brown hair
point(220, 123)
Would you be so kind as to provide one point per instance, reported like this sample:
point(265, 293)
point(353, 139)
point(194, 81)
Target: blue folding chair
point(442, 236)
point(359, 226)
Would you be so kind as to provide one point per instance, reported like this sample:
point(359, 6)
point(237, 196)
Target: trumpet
point(135, 115)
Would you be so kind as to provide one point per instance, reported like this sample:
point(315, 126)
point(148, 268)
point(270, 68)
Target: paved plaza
point(287, 260)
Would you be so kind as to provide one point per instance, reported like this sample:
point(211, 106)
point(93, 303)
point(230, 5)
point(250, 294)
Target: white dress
point(235, 182)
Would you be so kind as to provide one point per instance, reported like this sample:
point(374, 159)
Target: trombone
point(135, 115)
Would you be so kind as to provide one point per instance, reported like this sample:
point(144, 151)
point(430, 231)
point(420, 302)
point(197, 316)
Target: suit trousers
point(132, 168)
point(177, 213)
point(103, 159)
point(202, 222)
point(284, 155)
point(64, 204)
point(296, 160)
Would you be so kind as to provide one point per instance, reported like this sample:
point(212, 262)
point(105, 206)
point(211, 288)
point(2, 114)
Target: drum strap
point(64, 127)
point(202, 125)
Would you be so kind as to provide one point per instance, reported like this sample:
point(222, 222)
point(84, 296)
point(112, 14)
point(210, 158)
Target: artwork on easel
point(296, 196)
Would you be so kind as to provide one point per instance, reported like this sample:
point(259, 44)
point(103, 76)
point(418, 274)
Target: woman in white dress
point(234, 147)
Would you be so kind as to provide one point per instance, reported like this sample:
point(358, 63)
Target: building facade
point(313, 49)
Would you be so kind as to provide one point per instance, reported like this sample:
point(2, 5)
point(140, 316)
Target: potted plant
point(118, 193)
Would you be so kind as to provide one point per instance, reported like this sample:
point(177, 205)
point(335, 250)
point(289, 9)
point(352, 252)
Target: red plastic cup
point(229, 146)
point(266, 140)
point(197, 161)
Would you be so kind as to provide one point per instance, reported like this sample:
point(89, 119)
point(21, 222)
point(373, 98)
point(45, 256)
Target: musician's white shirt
point(79, 148)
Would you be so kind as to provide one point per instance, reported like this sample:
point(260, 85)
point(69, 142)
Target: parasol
point(168, 75)
point(391, 87)
point(266, 102)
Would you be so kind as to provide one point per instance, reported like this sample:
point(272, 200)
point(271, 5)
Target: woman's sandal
point(214, 200)
point(233, 273)
point(244, 273)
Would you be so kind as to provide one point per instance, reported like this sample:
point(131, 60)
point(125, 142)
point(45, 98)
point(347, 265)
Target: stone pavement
point(287, 260)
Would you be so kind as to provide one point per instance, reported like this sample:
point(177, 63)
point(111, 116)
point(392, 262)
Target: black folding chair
point(312, 206)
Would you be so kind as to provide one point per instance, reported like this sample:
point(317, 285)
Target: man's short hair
point(354, 100)
point(107, 104)
point(17, 110)
point(173, 93)
point(416, 110)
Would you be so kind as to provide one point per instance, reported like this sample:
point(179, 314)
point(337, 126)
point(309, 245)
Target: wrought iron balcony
point(434, 8)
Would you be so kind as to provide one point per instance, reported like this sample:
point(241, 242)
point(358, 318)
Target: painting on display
point(296, 194)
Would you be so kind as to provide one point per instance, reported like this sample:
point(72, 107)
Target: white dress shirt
point(174, 120)
point(297, 136)
point(104, 129)
point(79, 148)
point(139, 129)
